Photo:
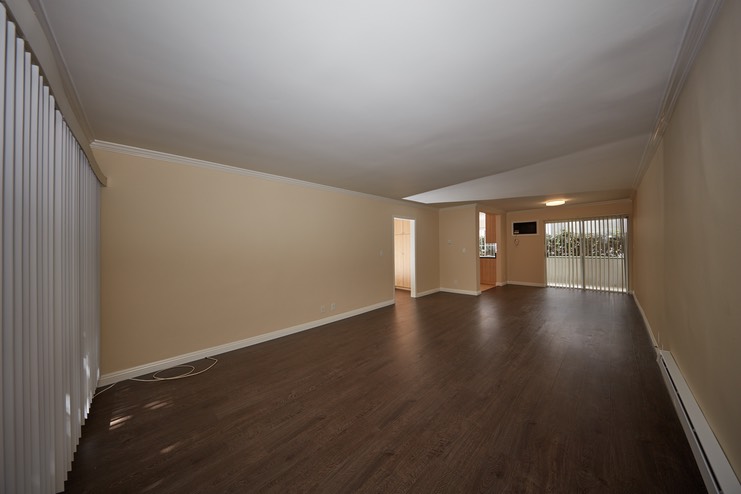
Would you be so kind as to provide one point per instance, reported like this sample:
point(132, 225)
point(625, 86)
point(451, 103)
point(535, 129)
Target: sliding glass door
point(588, 253)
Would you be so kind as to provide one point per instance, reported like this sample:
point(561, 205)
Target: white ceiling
point(436, 100)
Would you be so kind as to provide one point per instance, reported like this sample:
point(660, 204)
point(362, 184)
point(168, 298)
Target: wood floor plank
point(518, 390)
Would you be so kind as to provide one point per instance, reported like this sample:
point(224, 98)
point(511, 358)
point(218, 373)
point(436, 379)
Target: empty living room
point(370, 246)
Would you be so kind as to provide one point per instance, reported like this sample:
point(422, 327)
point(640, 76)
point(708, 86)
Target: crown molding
point(699, 24)
point(30, 20)
point(626, 200)
point(235, 170)
point(459, 206)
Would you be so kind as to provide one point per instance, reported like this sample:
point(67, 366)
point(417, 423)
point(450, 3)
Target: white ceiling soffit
point(611, 166)
point(397, 99)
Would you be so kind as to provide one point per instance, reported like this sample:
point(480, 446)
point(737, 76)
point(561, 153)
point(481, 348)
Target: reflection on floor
point(522, 389)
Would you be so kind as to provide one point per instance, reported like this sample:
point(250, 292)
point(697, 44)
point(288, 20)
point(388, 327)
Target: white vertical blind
point(588, 253)
point(50, 281)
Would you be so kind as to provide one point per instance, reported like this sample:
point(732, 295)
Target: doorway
point(487, 251)
point(404, 262)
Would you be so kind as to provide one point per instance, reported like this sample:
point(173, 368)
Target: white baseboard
point(713, 465)
point(460, 292)
point(139, 370)
point(711, 460)
point(526, 283)
point(501, 283)
point(646, 323)
point(428, 292)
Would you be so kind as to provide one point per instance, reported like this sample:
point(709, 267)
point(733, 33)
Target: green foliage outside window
point(567, 243)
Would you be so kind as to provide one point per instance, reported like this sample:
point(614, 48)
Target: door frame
point(412, 254)
point(600, 284)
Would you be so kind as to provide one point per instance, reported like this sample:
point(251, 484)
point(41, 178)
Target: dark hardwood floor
point(519, 390)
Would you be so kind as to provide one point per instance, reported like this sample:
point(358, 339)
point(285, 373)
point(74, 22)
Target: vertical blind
point(50, 281)
point(587, 253)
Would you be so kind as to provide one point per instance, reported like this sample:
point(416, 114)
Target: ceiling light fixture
point(557, 202)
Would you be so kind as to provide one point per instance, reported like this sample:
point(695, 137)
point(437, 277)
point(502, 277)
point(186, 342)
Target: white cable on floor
point(189, 373)
point(104, 390)
point(156, 378)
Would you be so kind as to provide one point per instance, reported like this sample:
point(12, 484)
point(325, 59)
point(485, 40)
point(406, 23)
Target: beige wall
point(525, 254)
point(648, 247)
point(702, 232)
point(459, 254)
point(193, 258)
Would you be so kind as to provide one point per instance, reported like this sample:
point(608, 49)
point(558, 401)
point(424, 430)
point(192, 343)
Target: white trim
point(211, 165)
point(139, 370)
point(30, 17)
point(412, 256)
point(646, 323)
point(714, 466)
point(428, 292)
point(697, 29)
point(460, 292)
point(501, 283)
point(624, 200)
point(461, 206)
point(412, 253)
point(526, 283)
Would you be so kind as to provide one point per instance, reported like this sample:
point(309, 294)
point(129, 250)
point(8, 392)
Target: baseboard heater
point(716, 471)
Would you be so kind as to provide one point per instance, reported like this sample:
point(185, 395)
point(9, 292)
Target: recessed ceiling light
point(558, 202)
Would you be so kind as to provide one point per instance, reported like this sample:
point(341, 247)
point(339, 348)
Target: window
point(487, 245)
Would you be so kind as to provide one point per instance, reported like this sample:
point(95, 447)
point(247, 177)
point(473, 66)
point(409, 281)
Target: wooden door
point(488, 275)
point(487, 265)
point(402, 251)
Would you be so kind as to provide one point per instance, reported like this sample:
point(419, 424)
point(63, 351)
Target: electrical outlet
point(322, 309)
point(333, 306)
